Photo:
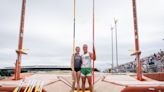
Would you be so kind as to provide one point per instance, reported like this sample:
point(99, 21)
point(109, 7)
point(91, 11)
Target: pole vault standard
point(137, 50)
point(19, 52)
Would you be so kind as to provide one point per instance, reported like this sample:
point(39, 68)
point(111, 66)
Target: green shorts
point(86, 72)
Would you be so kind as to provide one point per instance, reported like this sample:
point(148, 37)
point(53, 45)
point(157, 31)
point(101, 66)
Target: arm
point(72, 62)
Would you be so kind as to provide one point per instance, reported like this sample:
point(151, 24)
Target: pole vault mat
point(103, 83)
point(128, 83)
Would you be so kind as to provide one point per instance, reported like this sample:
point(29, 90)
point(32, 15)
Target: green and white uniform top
point(86, 61)
point(86, 65)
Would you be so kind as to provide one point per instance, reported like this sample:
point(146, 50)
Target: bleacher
point(152, 63)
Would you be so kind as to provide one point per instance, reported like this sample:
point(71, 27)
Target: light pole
point(115, 22)
point(112, 46)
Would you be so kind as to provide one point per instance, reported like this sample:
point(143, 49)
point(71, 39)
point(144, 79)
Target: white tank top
point(86, 61)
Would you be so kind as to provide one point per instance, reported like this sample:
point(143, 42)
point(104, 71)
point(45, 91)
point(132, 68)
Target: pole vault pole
point(74, 37)
point(93, 44)
point(74, 25)
point(137, 50)
point(19, 52)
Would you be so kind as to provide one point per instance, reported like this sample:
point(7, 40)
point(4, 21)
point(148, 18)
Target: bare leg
point(90, 83)
point(74, 80)
point(78, 79)
point(83, 83)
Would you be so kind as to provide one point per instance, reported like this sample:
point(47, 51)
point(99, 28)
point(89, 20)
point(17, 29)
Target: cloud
point(49, 29)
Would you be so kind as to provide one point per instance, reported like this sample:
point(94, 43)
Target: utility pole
point(115, 22)
point(112, 47)
point(19, 52)
point(137, 50)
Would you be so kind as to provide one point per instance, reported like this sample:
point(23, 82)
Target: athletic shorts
point(77, 69)
point(86, 72)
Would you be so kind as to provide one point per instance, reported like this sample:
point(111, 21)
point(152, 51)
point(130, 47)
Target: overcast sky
point(49, 29)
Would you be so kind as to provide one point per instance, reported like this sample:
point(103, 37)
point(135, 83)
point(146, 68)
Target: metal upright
point(19, 52)
point(137, 50)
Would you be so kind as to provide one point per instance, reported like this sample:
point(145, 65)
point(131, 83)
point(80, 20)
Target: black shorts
point(77, 69)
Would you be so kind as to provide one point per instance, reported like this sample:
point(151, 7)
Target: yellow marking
point(26, 89)
point(81, 91)
point(16, 89)
point(36, 88)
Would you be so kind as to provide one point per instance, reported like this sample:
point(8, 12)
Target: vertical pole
point(73, 39)
point(112, 47)
point(17, 70)
point(93, 77)
point(115, 21)
point(137, 50)
point(74, 25)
